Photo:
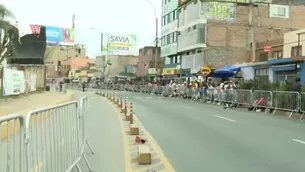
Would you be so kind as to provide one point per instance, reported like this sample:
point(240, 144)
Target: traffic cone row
point(128, 114)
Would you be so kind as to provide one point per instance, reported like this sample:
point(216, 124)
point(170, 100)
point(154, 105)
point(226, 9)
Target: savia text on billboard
point(116, 44)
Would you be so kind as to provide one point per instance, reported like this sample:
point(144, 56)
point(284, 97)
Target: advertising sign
point(267, 48)
point(116, 44)
point(60, 36)
point(218, 11)
point(13, 82)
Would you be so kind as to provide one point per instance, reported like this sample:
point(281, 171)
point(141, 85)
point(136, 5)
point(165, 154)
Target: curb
point(158, 160)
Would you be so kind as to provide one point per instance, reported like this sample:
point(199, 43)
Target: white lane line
point(187, 107)
point(228, 119)
point(299, 141)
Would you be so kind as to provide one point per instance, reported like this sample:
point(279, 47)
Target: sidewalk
point(27, 103)
point(105, 136)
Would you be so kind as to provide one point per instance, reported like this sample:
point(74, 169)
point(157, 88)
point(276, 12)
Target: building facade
point(230, 36)
point(149, 63)
point(191, 37)
point(56, 56)
point(292, 40)
point(169, 28)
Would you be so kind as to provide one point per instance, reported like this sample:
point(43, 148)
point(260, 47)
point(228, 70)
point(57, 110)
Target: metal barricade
point(286, 101)
point(244, 97)
point(302, 105)
point(55, 137)
point(266, 95)
point(12, 143)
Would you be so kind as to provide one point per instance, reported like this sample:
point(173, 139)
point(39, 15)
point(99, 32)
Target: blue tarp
point(225, 72)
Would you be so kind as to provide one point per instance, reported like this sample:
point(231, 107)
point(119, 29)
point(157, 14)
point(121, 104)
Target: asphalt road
point(197, 137)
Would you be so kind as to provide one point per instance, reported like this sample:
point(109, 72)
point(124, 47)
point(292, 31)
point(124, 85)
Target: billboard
point(60, 36)
point(117, 44)
point(218, 11)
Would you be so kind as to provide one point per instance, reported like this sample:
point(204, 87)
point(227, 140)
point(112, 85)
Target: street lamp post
point(156, 36)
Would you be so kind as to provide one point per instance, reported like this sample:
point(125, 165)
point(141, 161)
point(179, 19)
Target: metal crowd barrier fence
point(50, 139)
point(11, 143)
point(274, 100)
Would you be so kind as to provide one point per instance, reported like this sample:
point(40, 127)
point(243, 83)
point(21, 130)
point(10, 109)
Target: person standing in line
point(84, 86)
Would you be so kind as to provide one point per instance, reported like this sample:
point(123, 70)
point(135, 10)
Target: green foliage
point(252, 84)
point(10, 31)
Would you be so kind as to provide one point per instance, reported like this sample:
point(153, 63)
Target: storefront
point(170, 72)
point(288, 69)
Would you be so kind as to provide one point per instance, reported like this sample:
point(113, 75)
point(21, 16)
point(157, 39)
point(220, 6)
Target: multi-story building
point(58, 59)
point(229, 35)
point(169, 26)
point(149, 61)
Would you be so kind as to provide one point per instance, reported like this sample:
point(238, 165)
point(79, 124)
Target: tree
point(9, 34)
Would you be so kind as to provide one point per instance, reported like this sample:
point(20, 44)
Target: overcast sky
point(110, 16)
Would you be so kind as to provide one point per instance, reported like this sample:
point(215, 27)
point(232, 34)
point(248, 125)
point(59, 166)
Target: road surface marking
point(187, 107)
point(228, 119)
point(299, 141)
point(161, 101)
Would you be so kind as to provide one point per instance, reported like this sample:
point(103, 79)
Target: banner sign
point(60, 36)
point(218, 11)
point(119, 44)
point(13, 82)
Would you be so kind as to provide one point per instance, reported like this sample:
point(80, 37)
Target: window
point(295, 50)
point(168, 19)
point(261, 72)
point(175, 37)
point(281, 11)
point(174, 15)
point(163, 20)
point(263, 56)
point(178, 58)
point(167, 40)
point(171, 38)
point(277, 54)
point(171, 60)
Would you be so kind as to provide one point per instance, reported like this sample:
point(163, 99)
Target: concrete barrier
point(144, 155)
point(4, 126)
point(134, 129)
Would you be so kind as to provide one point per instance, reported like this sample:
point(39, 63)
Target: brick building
point(148, 60)
point(222, 40)
point(75, 55)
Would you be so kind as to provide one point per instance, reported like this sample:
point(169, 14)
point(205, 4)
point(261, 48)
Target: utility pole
point(251, 42)
point(156, 44)
point(73, 21)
